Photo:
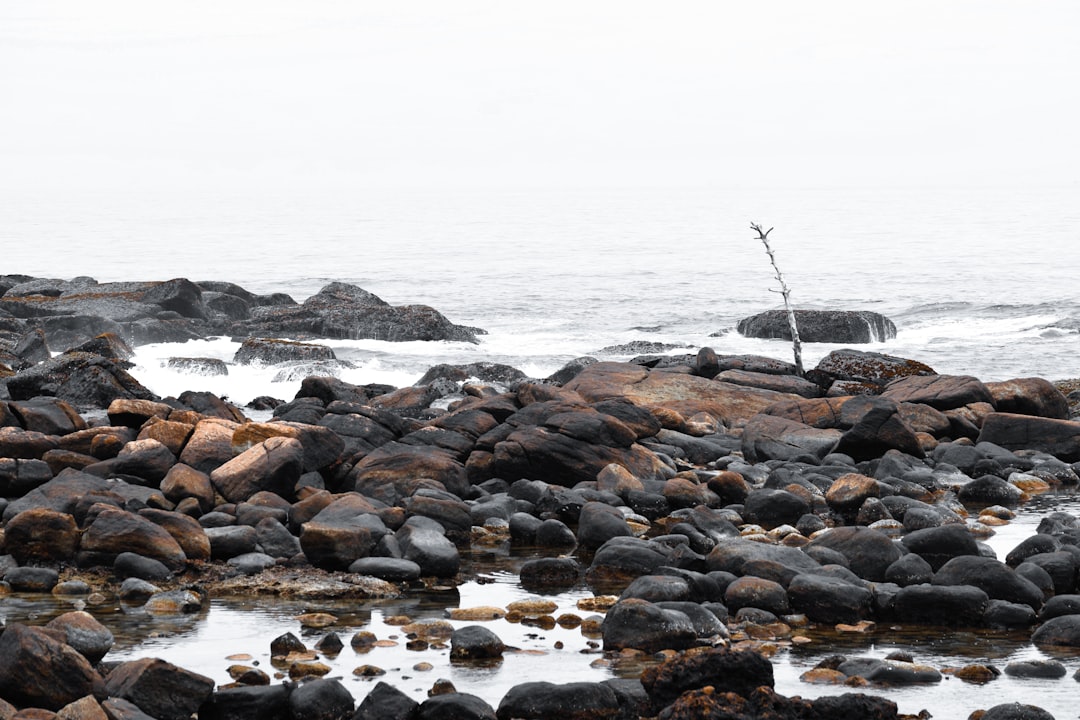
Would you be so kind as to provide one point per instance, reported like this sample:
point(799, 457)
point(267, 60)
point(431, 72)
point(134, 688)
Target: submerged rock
point(828, 326)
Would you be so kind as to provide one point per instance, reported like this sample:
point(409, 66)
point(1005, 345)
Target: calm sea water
point(979, 281)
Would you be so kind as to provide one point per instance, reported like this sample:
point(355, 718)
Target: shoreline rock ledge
point(821, 326)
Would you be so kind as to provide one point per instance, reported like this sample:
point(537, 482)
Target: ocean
point(980, 281)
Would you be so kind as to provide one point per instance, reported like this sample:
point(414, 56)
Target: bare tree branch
point(796, 342)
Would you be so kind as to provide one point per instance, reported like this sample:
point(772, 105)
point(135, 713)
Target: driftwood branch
point(796, 343)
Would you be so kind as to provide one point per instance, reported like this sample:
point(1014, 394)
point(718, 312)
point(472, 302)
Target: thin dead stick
point(763, 236)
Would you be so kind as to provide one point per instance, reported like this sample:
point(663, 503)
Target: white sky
point(207, 93)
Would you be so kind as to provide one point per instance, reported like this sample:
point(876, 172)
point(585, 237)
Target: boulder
point(273, 351)
point(827, 326)
point(455, 706)
point(114, 531)
point(685, 394)
point(342, 532)
point(321, 699)
point(756, 592)
point(938, 545)
point(322, 446)
point(395, 470)
point(1016, 711)
point(475, 642)
point(41, 535)
point(1061, 631)
point(570, 701)
point(879, 428)
point(876, 369)
point(726, 671)
point(210, 445)
point(869, 553)
point(995, 578)
point(598, 523)
point(340, 310)
point(828, 599)
point(641, 625)
point(252, 702)
point(85, 380)
point(942, 392)
point(621, 559)
point(956, 605)
point(768, 437)
point(36, 670)
point(274, 465)
point(1029, 396)
point(429, 548)
point(790, 384)
point(84, 633)
point(1060, 438)
point(384, 701)
point(47, 415)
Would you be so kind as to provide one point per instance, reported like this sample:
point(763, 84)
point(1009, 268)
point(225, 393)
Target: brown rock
point(133, 412)
point(1060, 438)
point(41, 535)
point(687, 394)
point(188, 533)
point(943, 392)
point(848, 492)
point(85, 708)
point(39, 671)
point(322, 446)
point(171, 434)
point(1029, 396)
point(183, 481)
point(115, 531)
point(767, 437)
point(210, 444)
point(160, 689)
point(275, 465)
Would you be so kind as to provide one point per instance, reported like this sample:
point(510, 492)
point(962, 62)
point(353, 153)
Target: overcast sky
point(264, 93)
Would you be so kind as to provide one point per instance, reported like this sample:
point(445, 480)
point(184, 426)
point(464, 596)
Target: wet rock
point(769, 437)
point(47, 415)
point(1060, 438)
point(874, 368)
point(275, 539)
point(910, 569)
point(255, 702)
point(831, 326)
point(869, 553)
point(114, 531)
point(938, 545)
point(880, 428)
point(598, 523)
point(188, 533)
point(1016, 711)
point(231, 541)
point(41, 535)
point(342, 532)
point(572, 701)
point(210, 445)
point(321, 699)
point(429, 548)
point(121, 709)
point(384, 702)
point(37, 670)
point(755, 592)
point(20, 476)
point(549, 572)
point(829, 600)
point(1049, 669)
point(274, 465)
point(133, 565)
point(995, 578)
point(390, 569)
point(1061, 631)
point(475, 642)
point(84, 633)
point(942, 392)
point(735, 554)
point(739, 672)
point(555, 533)
point(460, 706)
point(855, 705)
point(620, 560)
point(395, 470)
point(685, 394)
point(31, 579)
point(321, 445)
point(657, 588)
point(273, 351)
point(86, 708)
point(893, 672)
point(82, 379)
point(990, 490)
point(136, 591)
point(958, 605)
point(174, 602)
point(340, 310)
point(642, 625)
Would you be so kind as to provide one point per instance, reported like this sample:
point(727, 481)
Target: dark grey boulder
point(252, 702)
point(1016, 711)
point(829, 600)
point(1062, 631)
point(829, 326)
point(385, 702)
point(455, 705)
point(569, 701)
point(958, 605)
point(385, 568)
point(940, 544)
point(475, 642)
point(641, 625)
point(995, 578)
point(869, 553)
point(321, 699)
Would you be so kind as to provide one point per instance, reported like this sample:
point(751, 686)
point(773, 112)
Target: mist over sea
point(979, 281)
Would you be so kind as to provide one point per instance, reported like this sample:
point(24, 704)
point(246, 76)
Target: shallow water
point(203, 642)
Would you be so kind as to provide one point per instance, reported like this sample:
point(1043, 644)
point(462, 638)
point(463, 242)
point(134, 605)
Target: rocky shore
point(718, 507)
